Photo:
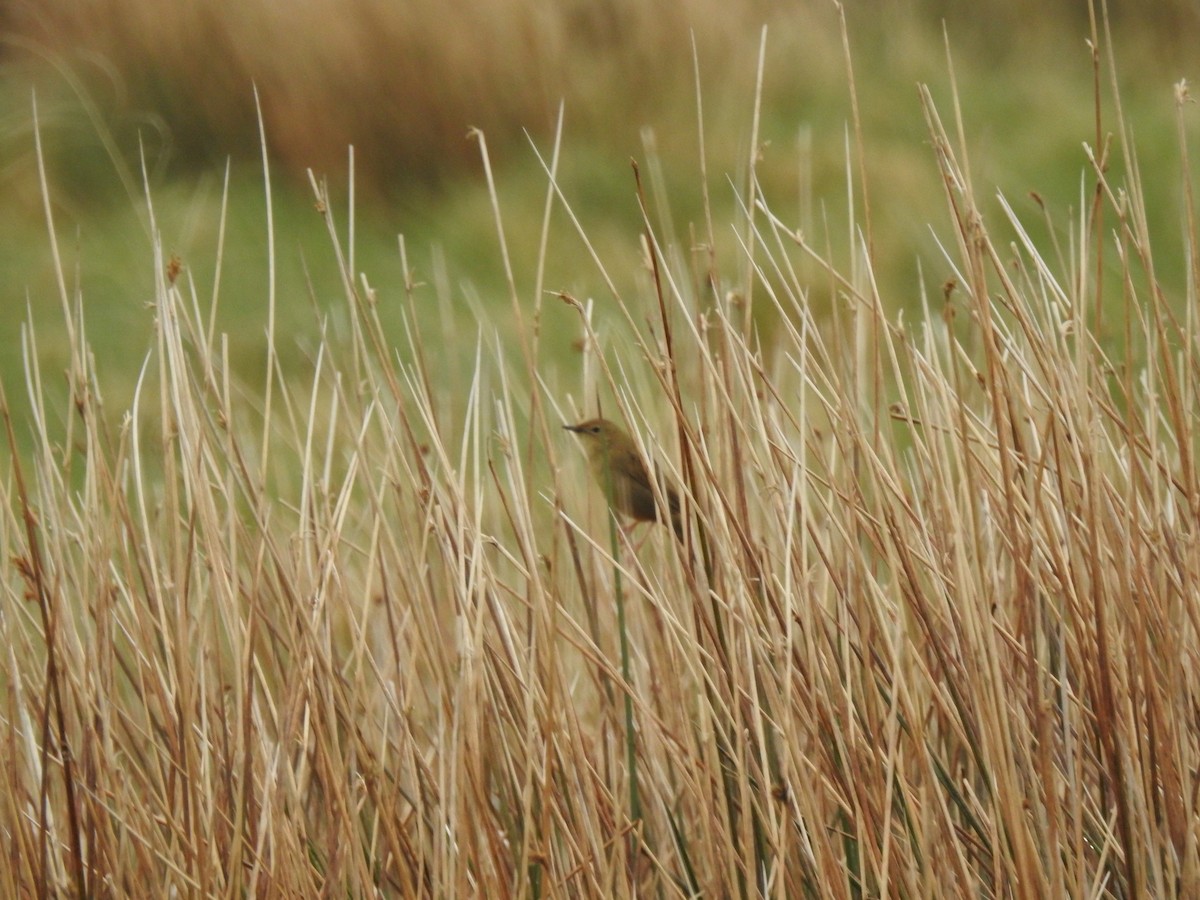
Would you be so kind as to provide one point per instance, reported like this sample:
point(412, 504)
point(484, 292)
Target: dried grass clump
point(933, 633)
point(403, 82)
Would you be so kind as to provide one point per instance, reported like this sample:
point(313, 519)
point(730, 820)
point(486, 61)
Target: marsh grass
point(932, 632)
point(402, 82)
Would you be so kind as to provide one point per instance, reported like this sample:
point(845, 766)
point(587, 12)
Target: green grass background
point(1024, 76)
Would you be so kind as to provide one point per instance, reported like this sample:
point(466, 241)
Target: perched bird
point(618, 468)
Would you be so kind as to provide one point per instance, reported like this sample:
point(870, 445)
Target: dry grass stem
point(366, 630)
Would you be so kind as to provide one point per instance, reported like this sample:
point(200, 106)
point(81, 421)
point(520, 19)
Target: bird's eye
point(595, 429)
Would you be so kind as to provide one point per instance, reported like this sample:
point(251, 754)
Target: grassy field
point(1027, 110)
point(307, 592)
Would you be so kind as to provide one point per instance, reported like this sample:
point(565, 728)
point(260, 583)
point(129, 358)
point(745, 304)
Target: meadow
point(306, 591)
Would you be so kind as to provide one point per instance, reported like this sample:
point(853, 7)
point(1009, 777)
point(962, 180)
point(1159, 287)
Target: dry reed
point(934, 631)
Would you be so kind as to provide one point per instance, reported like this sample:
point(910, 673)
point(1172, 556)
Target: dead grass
point(933, 632)
point(402, 82)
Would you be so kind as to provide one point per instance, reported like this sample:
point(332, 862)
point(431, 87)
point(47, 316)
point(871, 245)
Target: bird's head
point(602, 438)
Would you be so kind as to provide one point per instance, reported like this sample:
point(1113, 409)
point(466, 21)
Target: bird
point(617, 467)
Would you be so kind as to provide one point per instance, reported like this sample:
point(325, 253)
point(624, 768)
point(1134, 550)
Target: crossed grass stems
point(932, 630)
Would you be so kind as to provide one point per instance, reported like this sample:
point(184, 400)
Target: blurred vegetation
point(941, 636)
point(126, 84)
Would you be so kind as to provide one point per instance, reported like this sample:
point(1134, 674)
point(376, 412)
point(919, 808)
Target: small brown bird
point(618, 468)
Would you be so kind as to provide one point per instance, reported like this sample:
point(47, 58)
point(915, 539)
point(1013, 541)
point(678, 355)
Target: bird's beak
point(574, 428)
